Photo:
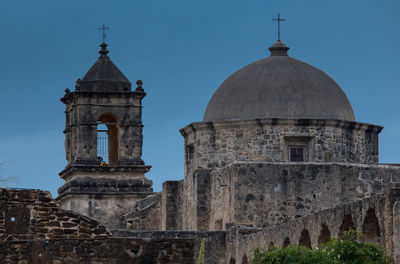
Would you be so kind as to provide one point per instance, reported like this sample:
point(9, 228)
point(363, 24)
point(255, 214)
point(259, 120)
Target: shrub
point(349, 250)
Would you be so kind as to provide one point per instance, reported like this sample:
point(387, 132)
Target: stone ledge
point(106, 185)
point(98, 168)
point(352, 125)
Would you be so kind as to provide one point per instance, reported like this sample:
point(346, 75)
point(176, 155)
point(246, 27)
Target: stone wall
point(146, 214)
point(34, 213)
point(216, 144)
point(98, 250)
point(171, 208)
point(215, 244)
point(369, 216)
point(265, 194)
point(33, 229)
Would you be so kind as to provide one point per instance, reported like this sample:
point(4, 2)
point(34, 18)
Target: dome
point(279, 87)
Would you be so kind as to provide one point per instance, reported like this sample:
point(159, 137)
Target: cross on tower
point(279, 19)
point(104, 28)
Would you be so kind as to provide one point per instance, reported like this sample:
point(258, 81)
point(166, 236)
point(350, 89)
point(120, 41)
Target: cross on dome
point(279, 19)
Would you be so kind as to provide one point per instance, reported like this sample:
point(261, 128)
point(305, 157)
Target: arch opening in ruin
point(324, 234)
point(286, 242)
point(244, 259)
point(347, 224)
point(305, 239)
point(370, 227)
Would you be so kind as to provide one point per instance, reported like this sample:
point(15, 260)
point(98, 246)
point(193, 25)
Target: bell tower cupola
point(105, 173)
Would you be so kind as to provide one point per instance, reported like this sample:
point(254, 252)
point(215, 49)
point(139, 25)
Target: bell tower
point(105, 174)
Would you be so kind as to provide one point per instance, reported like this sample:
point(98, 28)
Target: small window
point(298, 149)
point(297, 153)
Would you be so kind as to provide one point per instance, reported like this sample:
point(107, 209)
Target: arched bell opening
point(107, 139)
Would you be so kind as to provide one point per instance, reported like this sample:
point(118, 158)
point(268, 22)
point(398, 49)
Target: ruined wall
point(171, 208)
point(265, 194)
point(35, 214)
point(98, 250)
point(146, 214)
point(33, 229)
point(369, 216)
point(215, 242)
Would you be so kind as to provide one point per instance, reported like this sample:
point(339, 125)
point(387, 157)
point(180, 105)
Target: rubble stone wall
point(265, 194)
point(34, 229)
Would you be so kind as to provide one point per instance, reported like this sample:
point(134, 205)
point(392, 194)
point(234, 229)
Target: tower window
point(107, 139)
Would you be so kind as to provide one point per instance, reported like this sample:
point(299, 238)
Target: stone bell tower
point(105, 174)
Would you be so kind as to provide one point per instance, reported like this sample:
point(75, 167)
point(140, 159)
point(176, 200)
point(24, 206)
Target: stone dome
point(279, 87)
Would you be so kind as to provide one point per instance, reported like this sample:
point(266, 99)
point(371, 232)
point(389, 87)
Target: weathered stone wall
point(213, 145)
point(369, 215)
point(98, 250)
point(215, 244)
point(146, 215)
point(265, 194)
point(34, 213)
point(171, 209)
point(216, 144)
point(161, 211)
point(106, 196)
point(33, 229)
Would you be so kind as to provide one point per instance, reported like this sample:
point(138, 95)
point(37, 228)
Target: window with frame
point(297, 153)
point(297, 149)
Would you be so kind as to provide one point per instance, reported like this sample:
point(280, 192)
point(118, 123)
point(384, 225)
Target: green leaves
point(349, 250)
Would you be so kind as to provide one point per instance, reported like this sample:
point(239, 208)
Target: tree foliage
point(349, 250)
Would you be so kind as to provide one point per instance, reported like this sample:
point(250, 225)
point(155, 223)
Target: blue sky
point(182, 50)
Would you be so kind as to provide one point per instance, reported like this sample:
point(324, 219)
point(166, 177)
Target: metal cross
point(279, 19)
point(104, 28)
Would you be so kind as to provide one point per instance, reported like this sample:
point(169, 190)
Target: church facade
point(278, 158)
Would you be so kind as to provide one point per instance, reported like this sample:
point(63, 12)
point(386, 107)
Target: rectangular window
point(297, 153)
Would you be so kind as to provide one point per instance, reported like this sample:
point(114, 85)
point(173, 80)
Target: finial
point(279, 19)
point(104, 28)
point(67, 90)
point(279, 49)
point(104, 50)
point(139, 87)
